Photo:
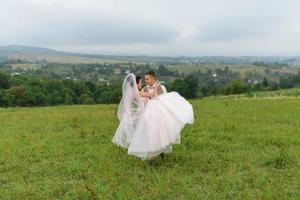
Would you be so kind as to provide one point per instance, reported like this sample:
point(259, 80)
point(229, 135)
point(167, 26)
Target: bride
point(150, 123)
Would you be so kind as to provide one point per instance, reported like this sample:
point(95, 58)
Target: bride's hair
point(137, 78)
point(131, 81)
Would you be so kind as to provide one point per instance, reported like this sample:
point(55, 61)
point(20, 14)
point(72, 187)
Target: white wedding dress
point(151, 128)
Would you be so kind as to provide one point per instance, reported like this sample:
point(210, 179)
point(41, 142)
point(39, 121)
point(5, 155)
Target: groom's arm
point(161, 90)
point(147, 94)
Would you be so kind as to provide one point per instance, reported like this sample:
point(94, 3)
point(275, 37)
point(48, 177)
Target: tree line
point(29, 91)
point(24, 90)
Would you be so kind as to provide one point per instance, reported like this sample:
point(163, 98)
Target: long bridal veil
point(148, 131)
point(129, 111)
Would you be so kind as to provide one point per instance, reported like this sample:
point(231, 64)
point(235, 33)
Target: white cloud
point(156, 27)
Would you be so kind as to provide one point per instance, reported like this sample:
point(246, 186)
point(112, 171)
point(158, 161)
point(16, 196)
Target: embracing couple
point(151, 118)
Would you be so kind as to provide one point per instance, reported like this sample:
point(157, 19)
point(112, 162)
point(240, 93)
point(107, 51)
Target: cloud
point(63, 24)
point(169, 27)
point(84, 31)
point(229, 29)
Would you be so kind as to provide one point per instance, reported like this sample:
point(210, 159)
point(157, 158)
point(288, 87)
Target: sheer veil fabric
point(150, 129)
point(129, 111)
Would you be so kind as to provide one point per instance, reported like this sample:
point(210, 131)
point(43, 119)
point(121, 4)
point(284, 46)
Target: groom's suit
point(160, 90)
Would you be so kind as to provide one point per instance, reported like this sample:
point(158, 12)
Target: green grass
point(243, 69)
point(25, 66)
point(190, 68)
point(64, 58)
point(276, 94)
point(293, 92)
point(236, 149)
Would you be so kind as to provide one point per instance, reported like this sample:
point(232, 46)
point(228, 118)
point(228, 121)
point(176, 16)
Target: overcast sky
point(155, 27)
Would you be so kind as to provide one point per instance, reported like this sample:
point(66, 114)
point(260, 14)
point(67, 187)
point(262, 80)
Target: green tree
point(55, 98)
point(265, 82)
point(180, 86)
point(236, 86)
point(286, 82)
point(164, 71)
point(4, 81)
point(86, 99)
point(191, 87)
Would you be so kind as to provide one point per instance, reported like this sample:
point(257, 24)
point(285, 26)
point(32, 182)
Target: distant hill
point(26, 49)
point(33, 54)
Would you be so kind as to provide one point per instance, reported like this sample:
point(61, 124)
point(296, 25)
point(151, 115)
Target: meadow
point(59, 58)
point(242, 148)
point(243, 69)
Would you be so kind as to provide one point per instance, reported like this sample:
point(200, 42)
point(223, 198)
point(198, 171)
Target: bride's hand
point(157, 83)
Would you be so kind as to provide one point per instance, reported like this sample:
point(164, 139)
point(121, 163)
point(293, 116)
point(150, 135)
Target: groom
point(150, 80)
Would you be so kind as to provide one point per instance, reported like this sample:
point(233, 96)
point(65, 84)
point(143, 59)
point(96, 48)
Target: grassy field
point(64, 58)
point(189, 68)
point(243, 69)
point(236, 149)
point(293, 92)
point(25, 66)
